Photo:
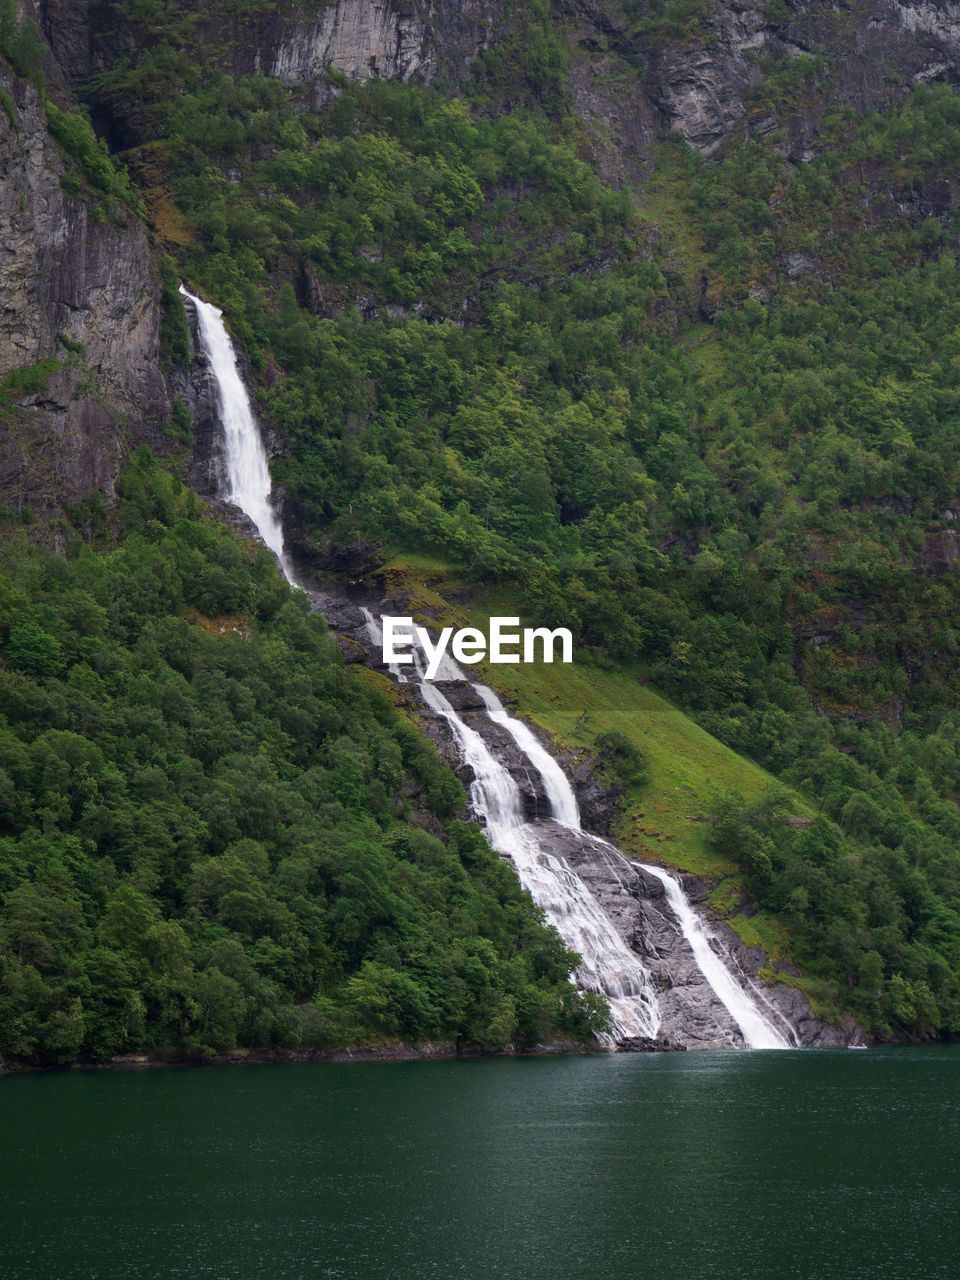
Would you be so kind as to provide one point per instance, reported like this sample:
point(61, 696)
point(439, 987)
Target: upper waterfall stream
point(609, 964)
point(248, 473)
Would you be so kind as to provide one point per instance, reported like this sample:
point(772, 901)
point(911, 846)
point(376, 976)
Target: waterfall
point(248, 475)
point(563, 802)
point(608, 966)
point(758, 1030)
point(757, 1026)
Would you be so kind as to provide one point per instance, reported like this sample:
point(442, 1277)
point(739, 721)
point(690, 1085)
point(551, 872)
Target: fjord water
point(808, 1164)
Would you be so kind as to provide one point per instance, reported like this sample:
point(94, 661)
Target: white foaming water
point(375, 632)
point(563, 802)
point(608, 966)
point(248, 475)
point(758, 1030)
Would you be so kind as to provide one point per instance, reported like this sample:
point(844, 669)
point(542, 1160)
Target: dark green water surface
point(806, 1164)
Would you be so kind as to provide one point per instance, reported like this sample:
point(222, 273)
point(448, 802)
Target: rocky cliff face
point(704, 82)
point(691, 1012)
point(393, 39)
point(360, 40)
point(79, 309)
point(640, 71)
point(298, 42)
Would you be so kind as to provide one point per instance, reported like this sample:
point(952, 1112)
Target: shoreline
point(401, 1051)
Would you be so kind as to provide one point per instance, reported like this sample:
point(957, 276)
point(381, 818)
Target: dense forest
point(209, 834)
point(703, 409)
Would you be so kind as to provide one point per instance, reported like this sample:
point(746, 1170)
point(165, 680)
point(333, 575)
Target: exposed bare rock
point(940, 20)
point(392, 39)
point(701, 92)
point(692, 1014)
point(352, 561)
point(941, 551)
point(461, 695)
point(798, 264)
point(361, 38)
point(596, 799)
point(80, 290)
point(199, 393)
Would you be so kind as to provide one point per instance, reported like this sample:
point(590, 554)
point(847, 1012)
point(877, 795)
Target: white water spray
point(608, 966)
point(248, 475)
point(758, 1031)
point(563, 802)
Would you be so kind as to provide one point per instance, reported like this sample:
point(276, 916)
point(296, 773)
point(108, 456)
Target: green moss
point(29, 380)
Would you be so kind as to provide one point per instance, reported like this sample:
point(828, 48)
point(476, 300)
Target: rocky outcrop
point(80, 307)
point(940, 22)
point(361, 39)
point(692, 1014)
point(198, 391)
point(701, 86)
point(703, 80)
point(598, 802)
point(941, 551)
point(390, 39)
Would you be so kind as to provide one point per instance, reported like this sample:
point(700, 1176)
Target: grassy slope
point(574, 703)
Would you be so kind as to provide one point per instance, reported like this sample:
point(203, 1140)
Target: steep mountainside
point(643, 315)
point(80, 318)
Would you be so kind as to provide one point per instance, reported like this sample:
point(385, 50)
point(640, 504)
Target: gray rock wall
point(633, 81)
point(391, 39)
point(70, 271)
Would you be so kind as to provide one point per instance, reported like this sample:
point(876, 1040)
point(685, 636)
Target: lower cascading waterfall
point(608, 966)
point(757, 1028)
